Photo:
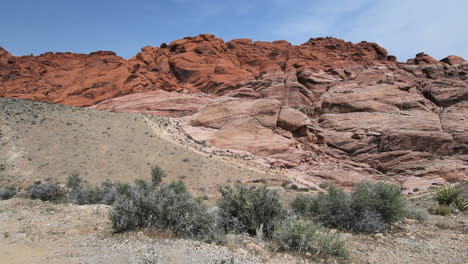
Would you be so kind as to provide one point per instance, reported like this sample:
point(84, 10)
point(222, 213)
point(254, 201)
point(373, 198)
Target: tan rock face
point(330, 109)
point(158, 102)
point(291, 119)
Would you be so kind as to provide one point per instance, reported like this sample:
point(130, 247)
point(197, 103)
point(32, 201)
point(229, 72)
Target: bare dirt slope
point(42, 141)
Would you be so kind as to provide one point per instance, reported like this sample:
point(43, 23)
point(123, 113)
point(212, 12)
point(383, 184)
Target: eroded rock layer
point(329, 109)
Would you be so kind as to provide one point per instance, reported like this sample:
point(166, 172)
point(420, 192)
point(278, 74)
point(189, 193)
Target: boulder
point(291, 119)
point(453, 60)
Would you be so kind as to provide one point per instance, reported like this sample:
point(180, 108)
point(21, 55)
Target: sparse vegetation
point(460, 204)
point(149, 258)
point(45, 192)
point(73, 181)
point(165, 207)
point(305, 236)
point(157, 174)
point(7, 192)
point(367, 209)
point(416, 213)
point(441, 209)
point(449, 198)
point(442, 225)
point(446, 194)
point(105, 194)
point(252, 210)
point(225, 261)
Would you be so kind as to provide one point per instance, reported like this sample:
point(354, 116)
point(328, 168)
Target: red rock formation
point(195, 64)
point(329, 108)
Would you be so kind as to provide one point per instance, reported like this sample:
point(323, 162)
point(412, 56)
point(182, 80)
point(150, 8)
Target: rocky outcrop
point(157, 102)
point(330, 109)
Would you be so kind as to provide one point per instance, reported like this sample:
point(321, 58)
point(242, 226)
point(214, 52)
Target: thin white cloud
point(404, 28)
point(319, 18)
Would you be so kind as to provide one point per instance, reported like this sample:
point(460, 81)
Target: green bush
point(382, 198)
point(253, 210)
point(73, 181)
point(7, 192)
point(157, 173)
point(367, 209)
point(306, 236)
point(45, 192)
point(302, 205)
point(86, 194)
point(166, 207)
point(333, 208)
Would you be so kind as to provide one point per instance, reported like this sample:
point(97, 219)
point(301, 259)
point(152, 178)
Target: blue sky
point(403, 27)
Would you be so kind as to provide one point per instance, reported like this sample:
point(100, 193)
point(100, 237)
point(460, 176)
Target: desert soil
point(33, 231)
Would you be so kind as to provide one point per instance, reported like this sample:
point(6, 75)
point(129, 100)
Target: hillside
point(43, 141)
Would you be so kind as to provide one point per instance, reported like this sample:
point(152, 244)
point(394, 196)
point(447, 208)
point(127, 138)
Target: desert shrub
point(368, 221)
point(442, 225)
point(149, 258)
point(45, 192)
point(166, 207)
point(446, 194)
point(306, 236)
point(225, 261)
point(253, 210)
point(382, 198)
point(142, 184)
point(441, 209)
point(84, 195)
point(333, 208)
point(367, 209)
point(73, 181)
point(7, 192)
point(157, 173)
point(87, 194)
point(302, 205)
point(416, 213)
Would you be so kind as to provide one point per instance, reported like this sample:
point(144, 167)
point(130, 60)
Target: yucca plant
point(460, 204)
point(446, 194)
